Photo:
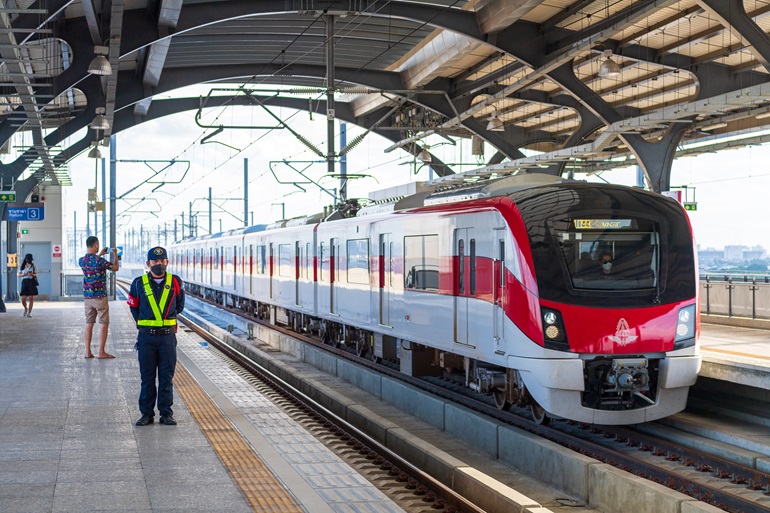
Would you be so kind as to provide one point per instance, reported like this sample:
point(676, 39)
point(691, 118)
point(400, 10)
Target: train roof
point(465, 191)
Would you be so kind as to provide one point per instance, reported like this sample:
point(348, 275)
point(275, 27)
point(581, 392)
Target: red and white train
point(498, 284)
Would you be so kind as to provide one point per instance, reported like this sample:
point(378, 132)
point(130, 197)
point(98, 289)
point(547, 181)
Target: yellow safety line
point(736, 353)
point(259, 486)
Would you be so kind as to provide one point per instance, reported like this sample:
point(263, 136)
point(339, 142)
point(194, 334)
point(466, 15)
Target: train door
point(270, 269)
point(498, 281)
point(334, 266)
point(461, 286)
point(297, 267)
point(386, 277)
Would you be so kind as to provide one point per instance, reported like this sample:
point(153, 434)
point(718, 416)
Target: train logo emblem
point(623, 336)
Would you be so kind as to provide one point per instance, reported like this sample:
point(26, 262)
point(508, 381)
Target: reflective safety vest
point(157, 309)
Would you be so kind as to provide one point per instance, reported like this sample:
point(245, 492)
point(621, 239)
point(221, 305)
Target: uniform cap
point(157, 253)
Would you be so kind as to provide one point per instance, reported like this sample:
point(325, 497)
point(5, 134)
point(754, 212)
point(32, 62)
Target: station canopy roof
point(589, 83)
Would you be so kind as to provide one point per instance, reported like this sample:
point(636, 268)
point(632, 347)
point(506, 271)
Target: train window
point(308, 262)
point(421, 262)
point(261, 259)
point(473, 267)
point(285, 260)
point(624, 256)
point(358, 261)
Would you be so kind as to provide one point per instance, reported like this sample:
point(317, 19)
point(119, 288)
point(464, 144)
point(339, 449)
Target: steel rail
point(451, 500)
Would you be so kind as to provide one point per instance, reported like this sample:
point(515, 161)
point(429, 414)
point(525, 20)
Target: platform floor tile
point(285, 446)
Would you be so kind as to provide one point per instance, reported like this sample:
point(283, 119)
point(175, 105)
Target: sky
point(731, 188)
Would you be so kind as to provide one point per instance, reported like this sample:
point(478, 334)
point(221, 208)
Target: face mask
point(607, 266)
point(158, 269)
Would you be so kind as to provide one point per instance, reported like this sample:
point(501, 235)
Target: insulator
point(352, 144)
point(307, 90)
point(309, 145)
point(357, 90)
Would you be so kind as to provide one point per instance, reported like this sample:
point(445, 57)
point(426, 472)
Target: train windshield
point(609, 254)
point(603, 245)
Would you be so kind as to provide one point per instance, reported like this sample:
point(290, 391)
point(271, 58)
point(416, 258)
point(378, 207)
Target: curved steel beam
point(732, 15)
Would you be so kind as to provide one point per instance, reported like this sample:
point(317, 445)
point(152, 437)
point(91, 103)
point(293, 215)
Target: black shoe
point(167, 420)
point(146, 419)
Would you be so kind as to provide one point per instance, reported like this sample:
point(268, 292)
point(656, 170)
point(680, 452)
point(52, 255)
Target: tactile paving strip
point(259, 486)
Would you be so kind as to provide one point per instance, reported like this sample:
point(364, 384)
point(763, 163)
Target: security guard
point(156, 298)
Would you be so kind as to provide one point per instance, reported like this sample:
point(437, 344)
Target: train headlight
point(554, 336)
point(685, 327)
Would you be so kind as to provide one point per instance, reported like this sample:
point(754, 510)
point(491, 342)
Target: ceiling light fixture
point(95, 153)
point(609, 68)
point(763, 115)
point(100, 65)
point(100, 121)
point(495, 123)
point(424, 154)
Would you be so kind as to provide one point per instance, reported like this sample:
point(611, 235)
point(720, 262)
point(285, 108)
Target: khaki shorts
point(100, 307)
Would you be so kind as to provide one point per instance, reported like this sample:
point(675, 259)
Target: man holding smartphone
point(95, 293)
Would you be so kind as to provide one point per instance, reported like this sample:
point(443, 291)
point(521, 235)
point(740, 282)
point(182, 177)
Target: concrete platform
point(68, 441)
point(736, 354)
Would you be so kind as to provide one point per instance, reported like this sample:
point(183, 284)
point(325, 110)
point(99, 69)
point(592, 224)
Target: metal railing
point(735, 295)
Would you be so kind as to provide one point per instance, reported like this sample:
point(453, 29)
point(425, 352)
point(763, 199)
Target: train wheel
point(500, 399)
point(539, 414)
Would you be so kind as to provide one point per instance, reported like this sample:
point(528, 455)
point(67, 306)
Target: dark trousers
point(157, 357)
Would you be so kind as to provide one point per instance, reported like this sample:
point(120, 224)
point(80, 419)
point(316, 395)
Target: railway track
point(412, 489)
point(727, 485)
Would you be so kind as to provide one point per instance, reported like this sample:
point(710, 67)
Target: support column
point(113, 194)
point(104, 198)
point(343, 161)
point(330, 99)
point(245, 192)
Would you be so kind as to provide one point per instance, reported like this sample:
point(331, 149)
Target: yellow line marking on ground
point(259, 486)
point(735, 353)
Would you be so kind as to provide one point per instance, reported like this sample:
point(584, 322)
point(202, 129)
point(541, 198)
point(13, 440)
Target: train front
point(617, 285)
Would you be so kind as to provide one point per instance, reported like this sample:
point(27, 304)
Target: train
point(501, 286)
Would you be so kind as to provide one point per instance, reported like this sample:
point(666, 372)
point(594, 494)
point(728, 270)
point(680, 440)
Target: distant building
point(735, 253)
point(710, 256)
